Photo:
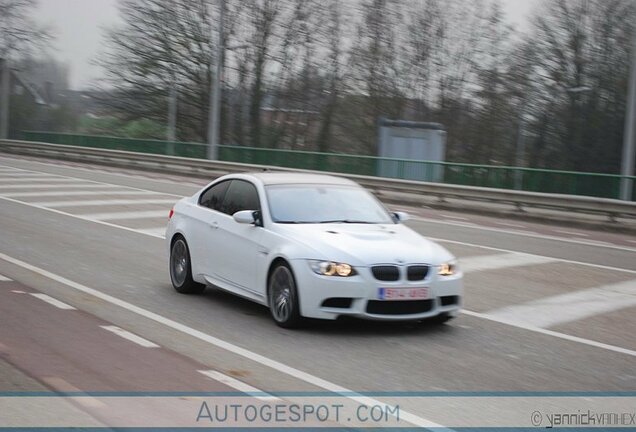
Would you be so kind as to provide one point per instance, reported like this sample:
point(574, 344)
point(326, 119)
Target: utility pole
point(4, 97)
point(214, 121)
point(627, 169)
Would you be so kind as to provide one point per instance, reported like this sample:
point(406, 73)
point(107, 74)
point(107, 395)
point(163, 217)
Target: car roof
point(286, 178)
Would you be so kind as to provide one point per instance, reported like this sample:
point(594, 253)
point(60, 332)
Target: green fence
point(528, 179)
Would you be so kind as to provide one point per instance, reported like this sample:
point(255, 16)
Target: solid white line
point(531, 234)
point(571, 233)
point(77, 185)
point(586, 264)
point(128, 215)
point(551, 333)
point(55, 302)
point(155, 232)
point(4, 279)
point(506, 224)
point(41, 179)
point(238, 385)
point(551, 311)
point(258, 358)
point(74, 193)
point(130, 336)
point(79, 203)
point(453, 217)
point(501, 261)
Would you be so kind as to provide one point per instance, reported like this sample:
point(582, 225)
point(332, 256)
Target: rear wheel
point(181, 269)
point(283, 297)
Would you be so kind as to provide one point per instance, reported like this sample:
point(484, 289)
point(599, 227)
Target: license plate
point(403, 294)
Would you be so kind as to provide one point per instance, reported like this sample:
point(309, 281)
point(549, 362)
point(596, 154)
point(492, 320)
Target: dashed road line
point(4, 279)
point(18, 292)
point(52, 301)
point(239, 385)
point(130, 336)
point(230, 347)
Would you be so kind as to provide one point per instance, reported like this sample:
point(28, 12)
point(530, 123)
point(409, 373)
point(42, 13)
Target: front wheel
point(283, 297)
point(181, 269)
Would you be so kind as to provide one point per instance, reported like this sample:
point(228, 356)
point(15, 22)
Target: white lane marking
point(130, 336)
point(128, 215)
point(571, 233)
point(76, 185)
point(530, 234)
point(18, 292)
point(75, 193)
point(586, 264)
point(510, 225)
point(108, 224)
point(41, 179)
point(104, 183)
point(447, 216)
point(238, 385)
point(4, 279)
point(501, 261)
point(258, 358)
point(555, 310)
point(155, 232)
point(106, 202)
point(158, 233)
point(52, 301)
point(552, 333)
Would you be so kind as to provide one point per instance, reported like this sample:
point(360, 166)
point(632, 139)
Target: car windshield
point(315, 204)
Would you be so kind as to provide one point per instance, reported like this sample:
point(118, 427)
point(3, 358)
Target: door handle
point(214, 225)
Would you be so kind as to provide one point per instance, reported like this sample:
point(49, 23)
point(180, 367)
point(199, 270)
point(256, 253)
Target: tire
point(283, 297)
point(181, 269)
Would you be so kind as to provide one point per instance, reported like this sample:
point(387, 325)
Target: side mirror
point(401, 217)
point(245, 217)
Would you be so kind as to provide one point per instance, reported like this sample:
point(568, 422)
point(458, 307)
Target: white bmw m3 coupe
point(312, 246)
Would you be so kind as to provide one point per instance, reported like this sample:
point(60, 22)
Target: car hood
point(362, 245)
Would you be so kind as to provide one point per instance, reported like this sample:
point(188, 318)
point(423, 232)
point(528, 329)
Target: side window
point(213, 197)
point(241, 195)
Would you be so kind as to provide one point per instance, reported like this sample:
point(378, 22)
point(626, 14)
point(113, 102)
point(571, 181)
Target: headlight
point(328, 268)
point(448, 269)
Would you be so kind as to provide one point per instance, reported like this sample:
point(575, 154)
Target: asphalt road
point(547, 309)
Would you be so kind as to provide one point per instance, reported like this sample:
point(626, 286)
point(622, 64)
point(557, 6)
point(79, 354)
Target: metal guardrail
point(205, 168)
point(488, 176)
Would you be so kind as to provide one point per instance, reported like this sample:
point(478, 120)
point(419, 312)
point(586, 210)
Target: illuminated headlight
point(328, 268)
point(448, 269)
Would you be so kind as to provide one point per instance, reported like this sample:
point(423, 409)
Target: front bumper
point(358, 296)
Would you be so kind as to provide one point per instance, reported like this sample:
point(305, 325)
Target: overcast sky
point(78, 26)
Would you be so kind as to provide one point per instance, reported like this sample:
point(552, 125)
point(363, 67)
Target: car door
point(238, 246)
point(204, 225)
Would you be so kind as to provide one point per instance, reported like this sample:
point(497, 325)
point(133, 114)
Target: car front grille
point(376, 307)
point(386, 273)
point(417, 273)
point(338, 303)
